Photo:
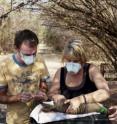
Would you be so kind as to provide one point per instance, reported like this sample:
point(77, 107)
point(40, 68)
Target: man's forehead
point(28, 49)
point(28, 44)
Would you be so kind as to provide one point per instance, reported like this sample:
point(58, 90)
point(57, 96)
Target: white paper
point(45, 117)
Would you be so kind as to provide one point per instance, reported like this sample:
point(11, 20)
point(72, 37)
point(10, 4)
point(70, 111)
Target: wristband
point(85, 104)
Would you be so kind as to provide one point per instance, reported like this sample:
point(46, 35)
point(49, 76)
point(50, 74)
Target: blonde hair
point(74, 51)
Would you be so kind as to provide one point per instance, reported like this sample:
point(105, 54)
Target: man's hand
point(24, 97)
point(40, 96)
point(43, 87)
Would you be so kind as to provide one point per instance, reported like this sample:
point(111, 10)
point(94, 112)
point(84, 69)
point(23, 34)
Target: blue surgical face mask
point(73, 67)
point(28, 60)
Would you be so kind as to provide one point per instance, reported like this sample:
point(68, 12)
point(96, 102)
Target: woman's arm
point(103, 92)
point(54, 93)
point(97, 96)
point(55, 85)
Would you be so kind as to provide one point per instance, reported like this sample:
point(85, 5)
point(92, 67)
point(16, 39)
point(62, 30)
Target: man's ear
point(16, 47)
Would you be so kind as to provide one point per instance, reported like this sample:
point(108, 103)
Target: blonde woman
point(78, 82)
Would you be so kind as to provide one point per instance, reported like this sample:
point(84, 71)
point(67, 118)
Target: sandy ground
point(53, 62)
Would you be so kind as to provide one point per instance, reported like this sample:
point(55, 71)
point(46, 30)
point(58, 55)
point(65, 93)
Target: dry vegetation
point(93, 19)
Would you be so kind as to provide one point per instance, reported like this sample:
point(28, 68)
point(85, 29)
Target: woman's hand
point(113, 113)
point(58, 99)
point(74, 104)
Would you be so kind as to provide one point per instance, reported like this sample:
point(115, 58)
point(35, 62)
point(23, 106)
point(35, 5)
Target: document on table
point(44, 117)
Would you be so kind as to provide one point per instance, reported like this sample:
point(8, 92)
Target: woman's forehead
point(71, 58)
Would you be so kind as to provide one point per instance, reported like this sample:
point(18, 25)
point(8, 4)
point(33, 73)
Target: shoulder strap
point(86, 67)
point(62, 78)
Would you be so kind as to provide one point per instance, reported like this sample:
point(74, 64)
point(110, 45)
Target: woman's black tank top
point(87, 86)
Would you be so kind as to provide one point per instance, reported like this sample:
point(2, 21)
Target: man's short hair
point(25, 36)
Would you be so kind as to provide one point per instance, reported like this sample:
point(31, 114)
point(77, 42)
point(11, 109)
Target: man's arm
point(5, 99)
